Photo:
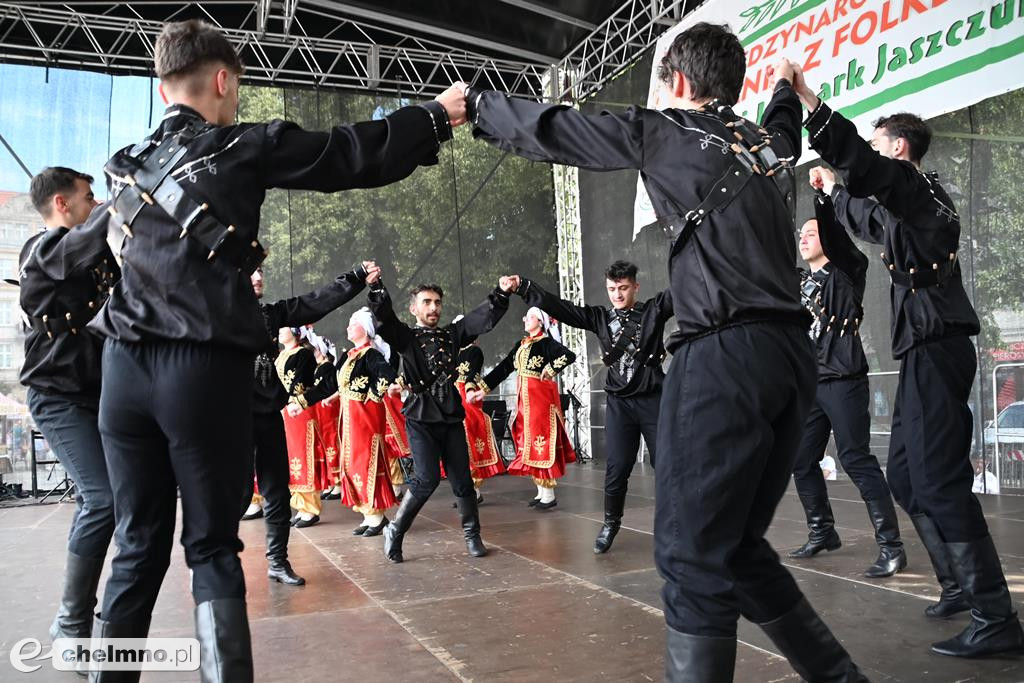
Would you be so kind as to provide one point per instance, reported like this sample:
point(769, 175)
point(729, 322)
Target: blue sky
point(70, 118)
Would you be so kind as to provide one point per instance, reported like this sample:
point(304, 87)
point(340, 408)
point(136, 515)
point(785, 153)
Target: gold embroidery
point(463, 370)
point(295, 466)
point(360, 382)
point(538, 444)
point(480, 445)
point(559, 362)
point(382, 386)
point(358, 480)
point(535, 362)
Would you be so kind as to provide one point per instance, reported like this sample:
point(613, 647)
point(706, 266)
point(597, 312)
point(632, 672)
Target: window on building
point(6, 356)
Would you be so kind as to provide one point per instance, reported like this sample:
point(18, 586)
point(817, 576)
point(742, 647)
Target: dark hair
point(51, 181)
point(184, 47)
point(621, 270)
point(422, 287)
point(911, 128)
point(712, 59)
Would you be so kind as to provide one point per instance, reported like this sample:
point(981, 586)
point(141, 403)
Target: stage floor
point(540, 607)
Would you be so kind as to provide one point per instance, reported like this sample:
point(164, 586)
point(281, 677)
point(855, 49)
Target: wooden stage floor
point(540, 607)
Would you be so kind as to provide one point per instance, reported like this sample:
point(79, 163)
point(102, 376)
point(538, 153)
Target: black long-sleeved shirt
point(268, 394)
point(539, 357)
point(638, 370)
point(296, 368)
point(169, 289)
point(911, 215)
point(64, 363)
point(738, 265)
point(430, 354)
point(834, 294)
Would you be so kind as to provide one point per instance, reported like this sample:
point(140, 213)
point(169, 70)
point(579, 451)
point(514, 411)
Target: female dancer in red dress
point(542, 446)
point(296, 367)
point(364, 380)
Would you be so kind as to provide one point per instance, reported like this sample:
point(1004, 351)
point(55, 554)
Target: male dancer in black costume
point(62, 372)
point(631, 334)
point(184, 219)
point(833, 291)
point(433, 410)
point(742, 375)
point(933, 320)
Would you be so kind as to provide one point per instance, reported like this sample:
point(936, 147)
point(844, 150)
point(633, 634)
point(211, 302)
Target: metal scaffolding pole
point(575, 378)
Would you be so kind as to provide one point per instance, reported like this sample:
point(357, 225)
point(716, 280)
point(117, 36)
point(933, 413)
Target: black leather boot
point(952, 600)
point(822, 527)
point(278, 567)
point(395, 531)
point(105, 629)
point(471, 525)
point(612, 522)
point(225, 647)
point(994, 627)
point(75, 612)
point(892, 557)
point(813, 652)
point(698, 659)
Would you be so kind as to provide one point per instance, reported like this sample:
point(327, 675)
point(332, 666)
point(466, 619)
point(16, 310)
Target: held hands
point(372, 272)
point(803, 91)
point(475, 395)
point(822, 179)
point(293, 409)
point(781, 69)
point(509, 283)
point(395, 391)
point(454, 102)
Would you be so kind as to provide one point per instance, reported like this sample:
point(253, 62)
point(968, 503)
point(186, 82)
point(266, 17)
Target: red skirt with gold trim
point(305, 449)
point(396, 441)
point(327, 419)
point(543, 448)
point(484, 461)
point(365, 482)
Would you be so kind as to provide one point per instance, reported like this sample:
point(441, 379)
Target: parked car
point(1011, 426)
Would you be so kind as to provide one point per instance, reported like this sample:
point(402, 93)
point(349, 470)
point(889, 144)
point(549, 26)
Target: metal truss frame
point(576, 377)
point(277, 49)
point(617, 43)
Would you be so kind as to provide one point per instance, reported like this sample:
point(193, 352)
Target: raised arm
point(896, 184)
point(367, 154)
point(584, 317)
point(781, 118)
point(835, 241)
point(865, 218)
point(481, 319)
point(395, 332)
point(309, 308)
point(557, 133)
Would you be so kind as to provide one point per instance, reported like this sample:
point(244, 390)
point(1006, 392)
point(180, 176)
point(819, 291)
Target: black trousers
point(71, 428)
point(840, 406)
point(733, 409)
point(270, 463)
point(929, 464)
point(432, 443)
point(626, 419)
point(175, 416)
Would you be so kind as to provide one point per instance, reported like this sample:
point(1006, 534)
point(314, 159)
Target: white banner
point(867, 58)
